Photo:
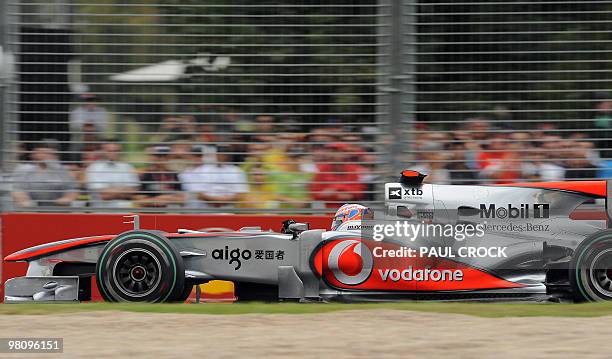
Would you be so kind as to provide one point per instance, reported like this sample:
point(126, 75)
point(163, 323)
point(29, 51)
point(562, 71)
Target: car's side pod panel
point(299, 282)
point(309, 241)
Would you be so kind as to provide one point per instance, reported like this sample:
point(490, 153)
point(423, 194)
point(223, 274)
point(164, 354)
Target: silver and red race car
point(519, 241)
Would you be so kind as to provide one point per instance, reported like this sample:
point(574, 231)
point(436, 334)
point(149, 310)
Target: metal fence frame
point(387, 58)
point(424, 51)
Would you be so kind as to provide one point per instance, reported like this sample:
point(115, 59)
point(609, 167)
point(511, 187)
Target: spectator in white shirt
point(111, 183)
point(89, 113)
point(217, 185)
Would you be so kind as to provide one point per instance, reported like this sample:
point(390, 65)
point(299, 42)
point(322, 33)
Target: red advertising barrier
point(23, 230)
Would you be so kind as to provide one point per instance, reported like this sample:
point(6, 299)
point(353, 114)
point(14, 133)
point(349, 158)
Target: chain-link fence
point(189, 105)
point(296, 106)
point(509, 91)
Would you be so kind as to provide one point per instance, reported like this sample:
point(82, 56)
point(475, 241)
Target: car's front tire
point(591, 268)
point(140, 266)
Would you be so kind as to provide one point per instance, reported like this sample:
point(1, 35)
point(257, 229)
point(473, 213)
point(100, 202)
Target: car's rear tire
point(140, 266)
point(591, 268)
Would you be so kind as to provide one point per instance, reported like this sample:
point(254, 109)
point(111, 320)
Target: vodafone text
point(441, 252)
point(421, 275)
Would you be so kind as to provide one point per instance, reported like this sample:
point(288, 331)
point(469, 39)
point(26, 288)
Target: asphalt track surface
point(342, 334)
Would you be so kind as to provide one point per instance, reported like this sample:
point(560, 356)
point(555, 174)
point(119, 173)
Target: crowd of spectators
point(225, 161)
point(478, 151)
point(219, 161)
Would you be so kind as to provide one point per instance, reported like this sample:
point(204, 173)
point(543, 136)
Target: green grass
point(476, 309)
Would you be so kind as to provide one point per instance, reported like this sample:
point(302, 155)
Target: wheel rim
point(137, 272)
point(601, 272)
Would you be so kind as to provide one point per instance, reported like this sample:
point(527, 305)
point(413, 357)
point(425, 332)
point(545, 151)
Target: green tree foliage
point(544, 60)
point(309, 57)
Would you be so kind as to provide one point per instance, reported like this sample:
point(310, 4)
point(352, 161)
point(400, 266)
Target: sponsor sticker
point(236, 256)
point(404, 193)
point(523, 210)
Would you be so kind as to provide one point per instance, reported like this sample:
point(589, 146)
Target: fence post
point(3, 80)
point(408, 95)
point(398, 96)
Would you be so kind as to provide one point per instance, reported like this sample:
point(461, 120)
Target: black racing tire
point(591, 268)
point(140, 266)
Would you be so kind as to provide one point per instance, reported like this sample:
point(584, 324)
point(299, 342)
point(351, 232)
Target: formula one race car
point(433, 242)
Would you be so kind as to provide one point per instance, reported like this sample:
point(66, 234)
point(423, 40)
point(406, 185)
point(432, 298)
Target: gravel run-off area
point(342, 334)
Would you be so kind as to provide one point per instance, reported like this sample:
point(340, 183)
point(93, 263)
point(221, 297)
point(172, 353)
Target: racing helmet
point(351, 212)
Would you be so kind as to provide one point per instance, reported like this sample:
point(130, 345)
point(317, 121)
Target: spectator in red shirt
point(499, 163)
point(338, 181)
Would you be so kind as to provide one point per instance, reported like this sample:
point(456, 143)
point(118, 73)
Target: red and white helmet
point(351, 212)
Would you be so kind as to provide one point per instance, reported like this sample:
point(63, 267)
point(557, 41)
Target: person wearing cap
point(111, 183)
point(337, 181)
point(44, 183)
point(159, 186)
point(215, 185)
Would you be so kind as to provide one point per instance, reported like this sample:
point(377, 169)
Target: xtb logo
point(396, 192)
